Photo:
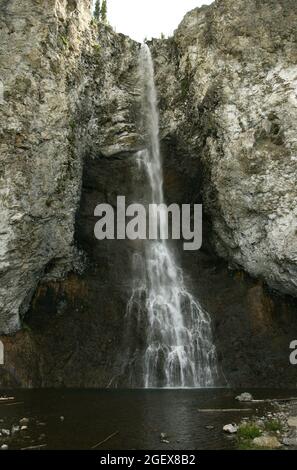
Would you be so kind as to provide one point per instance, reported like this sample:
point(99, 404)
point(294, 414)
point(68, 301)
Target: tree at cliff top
point(104, 11)
point(97, 10)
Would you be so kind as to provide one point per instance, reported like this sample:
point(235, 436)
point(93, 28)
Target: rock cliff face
point(69, 133)
point(68, 142)
point(40, 175)
point(228, 81)
point(65, 96)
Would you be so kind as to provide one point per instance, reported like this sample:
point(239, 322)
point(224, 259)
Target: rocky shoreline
point(275, 429)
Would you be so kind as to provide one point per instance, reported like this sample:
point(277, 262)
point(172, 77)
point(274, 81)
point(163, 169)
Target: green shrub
point(64, 40)
point(249, 431)
point(97, 48)
point(273, 425)
point(104, 11)
point(97, 11)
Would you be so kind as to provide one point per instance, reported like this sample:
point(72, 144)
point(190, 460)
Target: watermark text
point(156, 221)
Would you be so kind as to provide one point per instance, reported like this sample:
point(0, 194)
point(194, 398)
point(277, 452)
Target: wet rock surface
point(244, 397)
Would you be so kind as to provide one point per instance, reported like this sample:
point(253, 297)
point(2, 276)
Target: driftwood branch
point(285, 399)
point(12, 404)
point(218, 410)
point(40, 446)
point(105, 440)
point(274, 400)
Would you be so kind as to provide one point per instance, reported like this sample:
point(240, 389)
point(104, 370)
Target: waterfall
point(178, 350)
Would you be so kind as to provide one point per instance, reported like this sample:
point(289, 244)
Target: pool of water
point(79, 419)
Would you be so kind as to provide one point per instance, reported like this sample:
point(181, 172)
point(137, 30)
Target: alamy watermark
point(1, 92)
point(138, 222)
point(293, 355)
point(1, 353)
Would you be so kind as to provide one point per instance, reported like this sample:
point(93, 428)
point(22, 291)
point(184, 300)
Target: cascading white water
point(178, 350)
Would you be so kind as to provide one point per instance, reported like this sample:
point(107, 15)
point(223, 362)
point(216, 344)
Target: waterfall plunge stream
point(178, 349)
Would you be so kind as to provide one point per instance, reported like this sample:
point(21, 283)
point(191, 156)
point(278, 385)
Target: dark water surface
point(139, 417)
